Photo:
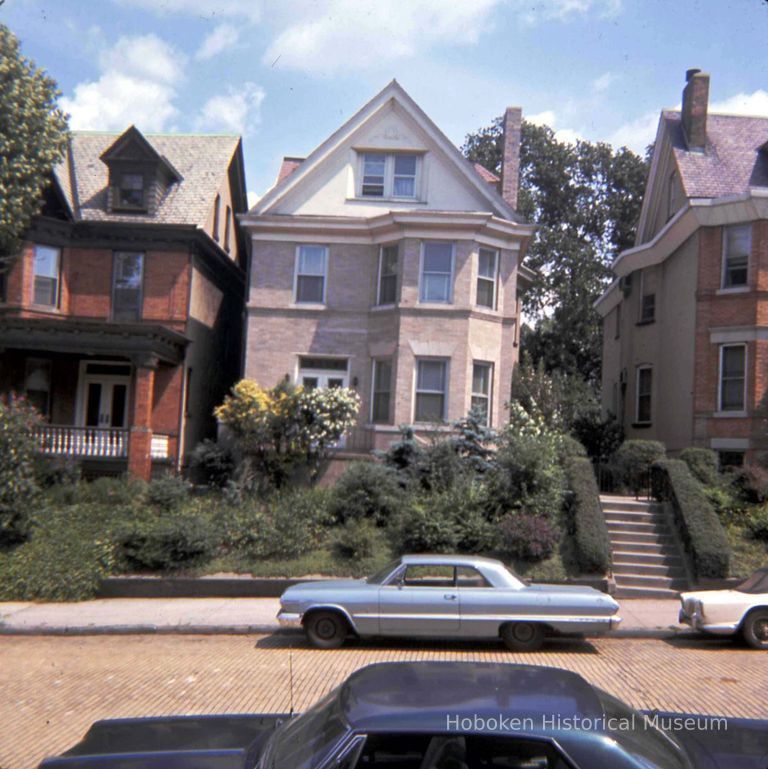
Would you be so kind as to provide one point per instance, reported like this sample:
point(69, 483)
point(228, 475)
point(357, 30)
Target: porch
point(94, 442)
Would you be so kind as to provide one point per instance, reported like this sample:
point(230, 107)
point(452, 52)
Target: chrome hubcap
point(761, 630)
point(325, 629)
point(523, 632)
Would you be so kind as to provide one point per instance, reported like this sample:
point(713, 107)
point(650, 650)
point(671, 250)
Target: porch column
point(140, 441)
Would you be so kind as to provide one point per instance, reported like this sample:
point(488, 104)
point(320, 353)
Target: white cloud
point(604, 82)
point(138, 81)
point(542, 118)
point(637, 134)
point(253, 198)
point(755, 103)
point(233, 111)
point(549, 118)
point(223, 37)
point(564, 10)
point(206, 9)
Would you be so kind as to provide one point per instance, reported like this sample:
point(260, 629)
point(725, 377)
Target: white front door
point(313, 375)
point(312, 379)
point(104, 391)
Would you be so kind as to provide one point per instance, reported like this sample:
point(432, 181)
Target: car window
point(466, 576)
point(757, 583)
point(429, 575)
point(457, 751)
point(380, 576)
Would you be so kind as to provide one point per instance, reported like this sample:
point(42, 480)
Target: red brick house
point(121, 319)
point(685, 336)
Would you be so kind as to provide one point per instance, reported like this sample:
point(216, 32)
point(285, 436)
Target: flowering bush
point(281, 428)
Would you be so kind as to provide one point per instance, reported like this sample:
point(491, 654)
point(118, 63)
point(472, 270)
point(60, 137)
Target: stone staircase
point(647, 562)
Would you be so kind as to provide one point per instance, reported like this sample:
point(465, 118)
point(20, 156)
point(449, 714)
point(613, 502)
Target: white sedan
point(728, 612)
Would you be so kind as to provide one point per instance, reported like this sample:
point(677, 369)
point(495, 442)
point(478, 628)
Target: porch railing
point(98, 442)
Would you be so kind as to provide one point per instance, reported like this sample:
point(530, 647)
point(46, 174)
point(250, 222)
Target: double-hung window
point(737, 243)
point(387, 293)
point(487, 271)
point(311, 270)
point(482, 378)
point(128, 277)
point(436, 283)
point(647, 301)
point(644, 390)
point(389, 175)
point(431, 382)
point(131, 191)
point(733, 365)
point(46, 286)
point(382, 392)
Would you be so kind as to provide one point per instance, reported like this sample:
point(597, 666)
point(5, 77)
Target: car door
point(423, 601)
point(480, 604)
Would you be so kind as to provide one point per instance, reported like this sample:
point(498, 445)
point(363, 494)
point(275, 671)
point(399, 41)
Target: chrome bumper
point(615, 622)
point(289, 619)
point(696, 621)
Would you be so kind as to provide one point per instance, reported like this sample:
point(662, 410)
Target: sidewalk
point(641, 618)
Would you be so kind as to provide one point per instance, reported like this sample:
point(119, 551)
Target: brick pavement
point(53, 688)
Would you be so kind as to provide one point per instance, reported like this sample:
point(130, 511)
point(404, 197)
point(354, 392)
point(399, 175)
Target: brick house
point(121, 318)
point(387, 262)
point(685, 334)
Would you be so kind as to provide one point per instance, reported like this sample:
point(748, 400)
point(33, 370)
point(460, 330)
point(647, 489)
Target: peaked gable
point(328, 180)
point(131, 146)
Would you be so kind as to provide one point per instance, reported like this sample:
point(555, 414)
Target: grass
point(747, 554)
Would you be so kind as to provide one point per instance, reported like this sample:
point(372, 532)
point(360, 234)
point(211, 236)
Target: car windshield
point(307, 740)
point(647, 743)
point(757, 583)
point(380, 576)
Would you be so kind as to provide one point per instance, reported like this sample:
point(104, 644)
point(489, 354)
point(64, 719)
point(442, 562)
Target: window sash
point(388, 257)
point(128, 277)
point(374, 173)
point(389, 175)
point(737, 245)
point(430, 391)
point(382, 392)
point(436, 273)
point(648, 307)
point(311, 267)
point(487, 271)
point(131, 190)
point(404, 181)
point(644, 389)
point(733, 364)
point(482, 380)
point(47, 269)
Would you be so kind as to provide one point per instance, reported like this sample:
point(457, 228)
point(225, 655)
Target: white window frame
point(449, 300)
point(642, 294)
point(57, 285)
point(388, 193)
point(724, 258)
point(446, 379)
point(375, 363)
point(637, 396)
point(487, 396)
point(296, 263)
point(140, 308)
point(396, 246)
point(721, 354)
point(494, 279)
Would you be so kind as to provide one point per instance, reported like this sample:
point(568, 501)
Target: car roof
point(409, 696)
point(453, 560)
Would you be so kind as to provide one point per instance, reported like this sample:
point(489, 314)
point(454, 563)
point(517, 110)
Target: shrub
point(168, 493)
point(632, 462)
point(356, 540)
point(366, 490)
point(294, 522)
point(424, 527)
point(112, 492)
point(440, 466)
point(56, 471)
point(700, 527)
point(703, 463)
point(18, 486)
point(568, 448)
point(528, 537)
point(757, 524)
point(242, 526)
point(591, 538)
point(753, 480)
point(165, 543)
point(215, 463)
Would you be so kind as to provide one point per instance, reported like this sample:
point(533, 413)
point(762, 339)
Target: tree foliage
point(33, 134)
point(585, 198)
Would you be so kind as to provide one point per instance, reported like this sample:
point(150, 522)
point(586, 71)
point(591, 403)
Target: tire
point(755, 629)
point(523, 636)
point(326, 629)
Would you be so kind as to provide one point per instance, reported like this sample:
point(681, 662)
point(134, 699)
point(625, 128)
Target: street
point(53, 688)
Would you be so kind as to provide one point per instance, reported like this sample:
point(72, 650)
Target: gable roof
point(731, 163)
point(392, 92)
point(133, 137)
point(287, 167)
point(201, 162)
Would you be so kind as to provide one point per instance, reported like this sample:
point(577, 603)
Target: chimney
point(510, 159)
point(695, 103)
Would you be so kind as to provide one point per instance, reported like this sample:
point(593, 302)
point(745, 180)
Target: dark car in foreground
point(435, 715)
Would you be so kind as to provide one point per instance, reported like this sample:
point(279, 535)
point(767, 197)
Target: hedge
point(593, 543)
point(702, 532)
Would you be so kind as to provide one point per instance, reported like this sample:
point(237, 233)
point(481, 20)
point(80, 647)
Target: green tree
point(586, 199)
point(33, 135)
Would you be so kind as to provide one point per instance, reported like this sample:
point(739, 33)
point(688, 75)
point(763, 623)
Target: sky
point(286, 73)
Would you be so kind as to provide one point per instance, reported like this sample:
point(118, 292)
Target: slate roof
point(202, 161)
point(731, 163)
point(488, 176)
point(287, 167)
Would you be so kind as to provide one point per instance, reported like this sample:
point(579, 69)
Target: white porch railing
point(159, 447)
point(98, 442)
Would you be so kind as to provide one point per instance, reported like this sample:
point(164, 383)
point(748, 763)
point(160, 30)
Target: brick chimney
point(510, 160)
point(695, 103)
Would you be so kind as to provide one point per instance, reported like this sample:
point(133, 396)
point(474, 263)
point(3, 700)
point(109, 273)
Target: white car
point(728, 612)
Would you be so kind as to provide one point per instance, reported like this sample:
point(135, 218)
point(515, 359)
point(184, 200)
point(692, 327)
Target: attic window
point(130, 193)
point(389, 175)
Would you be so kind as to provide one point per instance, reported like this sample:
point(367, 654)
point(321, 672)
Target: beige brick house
point(685, 334)
point(385, 261)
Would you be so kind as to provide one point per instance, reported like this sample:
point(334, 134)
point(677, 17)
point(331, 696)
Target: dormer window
point(389, 175)
point(131, 191)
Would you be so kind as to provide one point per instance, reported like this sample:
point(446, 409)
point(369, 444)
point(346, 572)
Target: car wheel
point(326, 630)
point(523, 636)
point(755, 629)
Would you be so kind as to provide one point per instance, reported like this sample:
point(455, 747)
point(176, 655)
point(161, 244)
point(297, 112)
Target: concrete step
point(640, 527)
point(623, 569)
point(646, 547)
point(628, 505)
point(637, 580)
point(647, 558)
point(634, 516)
point(652, 539)
point(645, 592)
